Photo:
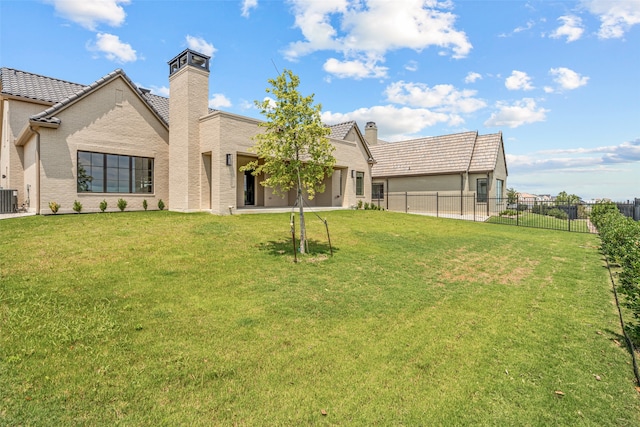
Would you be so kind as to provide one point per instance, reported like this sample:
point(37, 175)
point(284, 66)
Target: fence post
point(474, 206)
point(437, 205)
point(518, 211)
point(406, 202)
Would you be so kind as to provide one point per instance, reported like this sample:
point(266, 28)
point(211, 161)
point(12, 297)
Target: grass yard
point(528, 219)
point(161, 318)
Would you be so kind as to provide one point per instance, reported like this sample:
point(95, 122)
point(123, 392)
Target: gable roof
point(341, 130)
point(437, 155)
point(60, 93)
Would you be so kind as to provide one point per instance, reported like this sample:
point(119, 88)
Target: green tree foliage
point(567, 199)
point(293, 151)
point(512, 196)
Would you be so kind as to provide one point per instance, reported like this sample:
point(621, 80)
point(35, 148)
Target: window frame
point(377, 195)
point(482, 197)
point(116, 173)
point(360, 187)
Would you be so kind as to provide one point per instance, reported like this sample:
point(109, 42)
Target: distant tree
point(566, 199)
point(294, 151)
point(512, 196)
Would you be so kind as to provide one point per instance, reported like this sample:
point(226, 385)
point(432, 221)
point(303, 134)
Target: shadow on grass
point(285, 247)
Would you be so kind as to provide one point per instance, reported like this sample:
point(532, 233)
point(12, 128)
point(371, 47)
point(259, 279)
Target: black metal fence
point(523, 213)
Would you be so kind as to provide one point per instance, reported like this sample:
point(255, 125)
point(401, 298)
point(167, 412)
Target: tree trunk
point(303, 228)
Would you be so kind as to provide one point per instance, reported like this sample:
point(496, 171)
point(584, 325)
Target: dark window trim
point(131, 168)
point(360, 177)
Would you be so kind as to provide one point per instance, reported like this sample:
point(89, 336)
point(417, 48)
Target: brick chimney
point(188, 101)
point(371, 133)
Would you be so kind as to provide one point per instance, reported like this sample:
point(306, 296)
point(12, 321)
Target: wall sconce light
point(229, 160)
point(353, 173)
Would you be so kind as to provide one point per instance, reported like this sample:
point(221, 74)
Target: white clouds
point(395, 123)
point(411, 66)
point(159, 90)
point(200, 45)
point(472, 77)
point(91, 13)
point(567, 79)
point(616, 17)
point(442, 98)
point(113, 49)
point(218, 101)
point(576, 159)
point(372, 28)
point(417, 106)
point(518, 80)
point(571, 28)
point(247, 5)
point(517, 114)
point(357, 69)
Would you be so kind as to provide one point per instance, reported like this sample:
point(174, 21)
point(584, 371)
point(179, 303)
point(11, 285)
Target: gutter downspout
point(461, 193)
point(38, 201)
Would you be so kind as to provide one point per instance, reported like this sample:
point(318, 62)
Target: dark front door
point(249, 188)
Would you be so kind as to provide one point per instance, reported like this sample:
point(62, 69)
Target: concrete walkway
point(16, 215)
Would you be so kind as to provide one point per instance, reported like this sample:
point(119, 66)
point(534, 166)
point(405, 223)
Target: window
point(377, 191)
point(112, 173)
point(481, 189)
point(499, 186)
point(359, 183)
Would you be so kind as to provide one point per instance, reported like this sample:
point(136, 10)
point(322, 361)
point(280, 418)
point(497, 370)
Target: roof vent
point(145, 91)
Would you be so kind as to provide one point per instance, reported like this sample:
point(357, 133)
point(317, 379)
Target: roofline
point(67, 102)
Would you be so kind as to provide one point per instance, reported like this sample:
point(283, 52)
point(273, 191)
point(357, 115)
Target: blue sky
point(560, 79)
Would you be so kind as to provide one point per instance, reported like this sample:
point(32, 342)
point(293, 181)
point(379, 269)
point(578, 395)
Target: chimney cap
point(370, 125)
point(189, 57)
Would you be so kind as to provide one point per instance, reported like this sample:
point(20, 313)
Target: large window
point(112, 173)
point(499, 189)
point(481, 188)
point(377, 191)
point(359, 183)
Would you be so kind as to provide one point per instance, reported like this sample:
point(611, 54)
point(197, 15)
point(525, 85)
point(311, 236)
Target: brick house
point(62, 141)
point(463, 164)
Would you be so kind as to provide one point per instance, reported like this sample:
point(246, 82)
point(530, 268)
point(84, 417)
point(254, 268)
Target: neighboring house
point(64, 141)
point(462, 164)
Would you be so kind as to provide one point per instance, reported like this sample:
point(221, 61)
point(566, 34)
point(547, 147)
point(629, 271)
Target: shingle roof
point(61, 93)
point(485, 153)
point(424, 156)
point(341, 130)
point(33, 86)
point(456, 153)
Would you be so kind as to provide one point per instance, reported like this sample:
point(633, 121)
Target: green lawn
point(528, 219)
point(160, 318)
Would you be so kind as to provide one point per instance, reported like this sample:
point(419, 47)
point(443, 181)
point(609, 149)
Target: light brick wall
point(112, 120)
point(189, 88)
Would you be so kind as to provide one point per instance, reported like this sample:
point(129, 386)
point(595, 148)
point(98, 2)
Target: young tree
point(563, 198)
point(512, 196)
point(293, 151)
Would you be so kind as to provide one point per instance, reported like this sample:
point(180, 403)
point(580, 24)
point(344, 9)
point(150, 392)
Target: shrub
point(620, 238)
point(509, 212)
point(144, 204)
point(366, 206)
point(122, 204)
point(103, 205)
point(77, 206)
point(55, 207)
point(359, 204)
point(557, 213)
point(160, 204)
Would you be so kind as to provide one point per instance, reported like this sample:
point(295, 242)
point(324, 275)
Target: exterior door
point(249, 189)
